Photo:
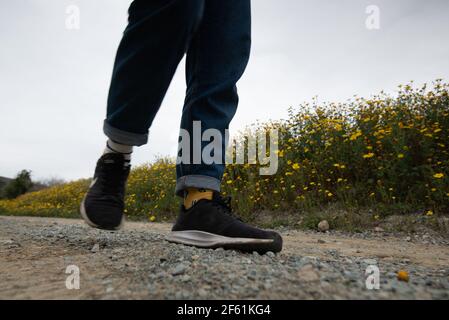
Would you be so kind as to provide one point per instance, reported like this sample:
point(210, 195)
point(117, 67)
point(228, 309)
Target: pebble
point(308, 274)
point(323, 226)
point(7, 241)
point(95, 248)
point(185, 278)
point(370, 261)
point(202, 293)
point(179, 269)
point(267, 286)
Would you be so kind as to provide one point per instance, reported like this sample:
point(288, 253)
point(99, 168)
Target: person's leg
point(153, 43)
point(216, 60)
point(155, 40)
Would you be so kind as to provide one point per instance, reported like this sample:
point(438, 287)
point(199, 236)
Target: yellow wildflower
point(355, 135)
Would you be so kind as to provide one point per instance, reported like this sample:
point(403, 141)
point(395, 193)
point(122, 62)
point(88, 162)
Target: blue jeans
point(215, 35)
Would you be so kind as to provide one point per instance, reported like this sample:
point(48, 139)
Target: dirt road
point(137, 263)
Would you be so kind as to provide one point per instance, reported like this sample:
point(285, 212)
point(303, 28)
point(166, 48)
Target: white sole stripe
point(205, 239)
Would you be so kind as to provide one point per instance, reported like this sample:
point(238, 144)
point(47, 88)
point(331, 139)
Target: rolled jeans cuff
point(124, 137)
point(196, 181)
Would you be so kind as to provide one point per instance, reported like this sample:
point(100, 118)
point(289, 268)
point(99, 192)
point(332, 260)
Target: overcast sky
point(54, 81)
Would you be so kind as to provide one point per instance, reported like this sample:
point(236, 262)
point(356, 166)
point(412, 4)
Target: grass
point(354, 163)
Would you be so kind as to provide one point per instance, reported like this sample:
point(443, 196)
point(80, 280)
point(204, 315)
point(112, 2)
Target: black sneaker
point(103, 205)
point(211, 224)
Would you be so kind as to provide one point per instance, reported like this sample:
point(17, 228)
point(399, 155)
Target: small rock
point(95, 248)
point(7, 241)
point(408, 239)
point(185, 278)
point(391, 275)
point(370, 261)
point(202, 293)
point(109, 289)
point(252, 277)
point(179, 269)
point(308, 274)
point(323, 226)
point(267, 285)
point(270, 254)
point(378, 229)
point(159, 275)
point(195, 257)
point(151, 287)
point(348, 274)
point(321, 241)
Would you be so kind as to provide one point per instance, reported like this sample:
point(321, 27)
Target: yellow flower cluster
point(385, 150)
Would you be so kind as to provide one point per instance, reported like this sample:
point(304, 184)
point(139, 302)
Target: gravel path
point(137, 263)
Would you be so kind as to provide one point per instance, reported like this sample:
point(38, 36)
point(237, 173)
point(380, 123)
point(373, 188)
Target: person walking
point(215, 36)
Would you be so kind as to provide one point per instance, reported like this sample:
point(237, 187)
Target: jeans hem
point(124, 137)
point(196, 181)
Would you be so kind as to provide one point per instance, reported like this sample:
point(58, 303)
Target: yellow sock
point(193, 195)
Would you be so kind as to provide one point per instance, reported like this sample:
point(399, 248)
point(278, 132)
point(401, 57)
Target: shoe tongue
point(113, 158)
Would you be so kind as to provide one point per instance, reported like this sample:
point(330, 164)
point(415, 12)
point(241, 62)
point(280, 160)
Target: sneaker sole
point(93, 225)
point(208, 240)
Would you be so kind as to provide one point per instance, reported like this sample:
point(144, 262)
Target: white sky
point(54, 81)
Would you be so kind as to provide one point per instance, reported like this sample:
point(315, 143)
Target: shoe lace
point(113, 177)
point(224, 205)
